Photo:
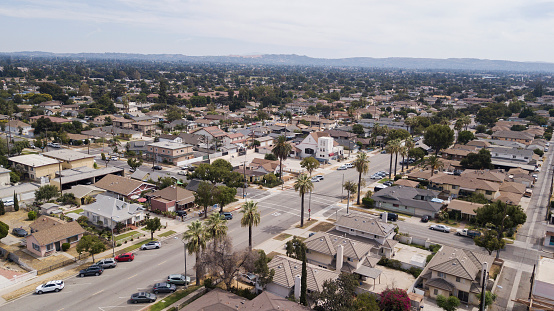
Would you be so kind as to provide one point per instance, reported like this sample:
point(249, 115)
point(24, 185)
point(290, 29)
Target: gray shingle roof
point(366, 224)
point(326, 243)
point(287, 268)
point(408, 196)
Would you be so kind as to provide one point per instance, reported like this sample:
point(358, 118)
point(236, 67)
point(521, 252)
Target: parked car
point(186, 167)
point(384, 151)
point(107, 263)
point(375, 176)
point(388, 183)
point(341, 168)
point(425, 218)
point(249, 278)
point(442, 228)
point(178, 279)
point(164, 287)
point(125, 257)
point(349, 165)
point(320, 177)
point(468, 233)
point(151, 245)
point(182, 173)
point(143, 297)
point(226, 216)
point(315, 179)
point(52, 286)
point(114, 158)
point(181, 213)
point(391, 216)
point(157, 167)
point(92, 270)
point(54, 145)
point(20, 232)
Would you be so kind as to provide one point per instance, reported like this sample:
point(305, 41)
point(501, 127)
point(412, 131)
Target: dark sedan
point(143, 297)
point(92, 270)
point(164, 288)
point(19, 232)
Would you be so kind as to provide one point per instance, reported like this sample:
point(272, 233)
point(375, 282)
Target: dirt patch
point(44, 262)
point(273, 254)
point(307, 224)
point(331, 220)
point(282, 237)
point(16, 220)
point(322, 226)
point(30, 288)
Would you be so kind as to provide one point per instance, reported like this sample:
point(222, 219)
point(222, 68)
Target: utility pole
point(244, 175)
point(483, 285)
point(60, 175)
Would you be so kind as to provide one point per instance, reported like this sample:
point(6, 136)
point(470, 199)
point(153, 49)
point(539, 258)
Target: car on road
point(442, 228)
point(20, 232)
point(226, 216)
point(315, 179)
point(157, 167)
point(125, 257)
point(164, 287)
point(114, 158)
point(92, 270)
point(52, 286)
point(390, 216)
point(425, 218)
point(181, 213)
point(349, 165)
point(151, 245)
point(375, 176)
point(384, 151)
point(143, 297)
point(342, 168)
point(320, 177)
point(468, 233)
point(184, 173)
point(178, 279)
point(107, 263)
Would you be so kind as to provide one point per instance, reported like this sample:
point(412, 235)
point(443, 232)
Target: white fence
point(18, 278)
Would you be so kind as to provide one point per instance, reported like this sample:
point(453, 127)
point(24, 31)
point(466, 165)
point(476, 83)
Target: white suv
point(52, 286)
point(151, 245)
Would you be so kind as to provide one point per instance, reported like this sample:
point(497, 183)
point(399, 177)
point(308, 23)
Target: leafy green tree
point(416, 153)
point(350, 187)
point(173, 113)
point(134, 163)
point(439, 137)
point(337, 295)
point(31, 215)
point(4, 230)
point(165, 182)
point(195, 241)
point(14, 177)
point(90, 244)
point(479, 161)
point(448, 304)
point(309, 164)
point(538, 152)
point(500, 216)
point(15, 202)
point(366, 302)
point(270, 157)
point(46, 193)
point(152, 225)
point(358, 129)
point(265, 276)
point(434, 163)
point(361, 164)
point(465, 137)
point(490, 298)
point(224, 195)
point(282, 151)
point(250, 218)
point(480, 129)
point(303, 185)
point(486, 116)
point(294, 248)
point(490, 241)
point(204, 196)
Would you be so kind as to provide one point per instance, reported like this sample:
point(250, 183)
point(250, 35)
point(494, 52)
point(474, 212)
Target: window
point(50, 247)
point(72, 239)
point(458, 279)
point(436, 291)
point(513, 157)
point(395, 205)
point(163, 151)
point(441, 275)
point(455, 187)
point(552, 240)
point(349, 259)
point(488, 192)
point(36, 247)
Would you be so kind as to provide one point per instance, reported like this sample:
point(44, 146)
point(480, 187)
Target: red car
point(125, 257)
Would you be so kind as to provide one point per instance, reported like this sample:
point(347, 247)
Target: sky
point(484, 29)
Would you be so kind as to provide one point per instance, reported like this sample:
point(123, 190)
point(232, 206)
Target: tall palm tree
point(434, 163)
point(303, 185)
point(466, 120)
point(281, 150)
point(404, 154)
point(390, 150)
point(196, 238)
point(362, 167)
point(250, 218)
point(351, 187)
point(409, 144)
point(216, 227)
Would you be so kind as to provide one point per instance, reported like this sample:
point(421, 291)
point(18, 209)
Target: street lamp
point(185, 251)
point(113, 239)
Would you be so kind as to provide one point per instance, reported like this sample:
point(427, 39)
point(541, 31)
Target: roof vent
point(295, 267)
point(363, 221)
point(321, 239)
point(453, 263)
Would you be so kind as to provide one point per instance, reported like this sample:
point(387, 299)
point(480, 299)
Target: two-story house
point(319, 145)
point(464, 186)
point(375, 231)
point(520, 137)
point(408, 200)
point(454, 272)
point(169, 152)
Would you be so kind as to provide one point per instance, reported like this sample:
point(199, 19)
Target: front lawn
point(134, 246)
point(171, 299)
point(168, 233)
point(125, 235)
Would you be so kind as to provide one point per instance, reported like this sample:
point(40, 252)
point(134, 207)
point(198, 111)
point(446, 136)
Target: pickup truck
point(468, 233)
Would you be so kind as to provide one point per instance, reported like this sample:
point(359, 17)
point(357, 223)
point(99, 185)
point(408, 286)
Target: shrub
point(368, 202)
point(394, 299)
point(32, 215)
point(414, 271)
point(429, 257)
point(434, 248)
point(65, 246)
point(209, 283)
point(397, 177)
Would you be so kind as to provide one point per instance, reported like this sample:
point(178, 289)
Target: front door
point(463, 296)
point(58, 247)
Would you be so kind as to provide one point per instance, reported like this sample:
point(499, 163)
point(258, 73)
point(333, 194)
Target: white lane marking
point(161, 262)
point(132, 276)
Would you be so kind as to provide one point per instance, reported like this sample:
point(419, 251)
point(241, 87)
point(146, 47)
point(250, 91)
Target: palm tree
point(309, 164)
point(196, 238)
point(281, 150)
point(466, 120)
point(434, 163)
point(216, 227)
point(397, 147)
point(303, 185)
point(351, 187)
point(251, 217)
point(362, 167)
point(390, 150)
point(404, 154)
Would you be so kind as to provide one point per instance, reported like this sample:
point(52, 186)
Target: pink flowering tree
point(395, 299)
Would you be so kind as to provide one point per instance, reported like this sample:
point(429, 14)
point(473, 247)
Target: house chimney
point(384, 217)
point(297, 286)
point(340, 255)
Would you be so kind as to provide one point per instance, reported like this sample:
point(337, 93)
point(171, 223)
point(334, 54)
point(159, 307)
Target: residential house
point(71, 159)
point(48, 234)
point(408, 200)
point(464, 186)
point(53, 119)
point(4, 176)
point(512, 154)
point(234, 138)
point(319, 145)
point(171, 199)
point(520, 137)
point(82, 191)
point(108, 211)
point(36, 167)
point(170, 152)
point(19, 127)
point(122, 187)
point(286, 280)
point(211, 133)
point(371, 228)
point(488, 175)
point(265, 166)
point(454, 272)
point(465, 208)
point(144, 127)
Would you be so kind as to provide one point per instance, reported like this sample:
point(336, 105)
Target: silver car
point(107, 263)
point(442, 228)
point(151, 245)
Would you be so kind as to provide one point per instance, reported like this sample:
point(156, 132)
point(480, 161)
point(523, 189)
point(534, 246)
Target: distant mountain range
point(471, 64)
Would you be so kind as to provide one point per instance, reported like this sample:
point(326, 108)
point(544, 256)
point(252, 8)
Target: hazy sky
point(493, 29)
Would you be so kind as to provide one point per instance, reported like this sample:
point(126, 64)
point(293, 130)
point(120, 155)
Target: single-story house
point(408, 200)
point(48, 234)
point(121, 187)
point(108, 211)
point(171, 199)
point(466, 209)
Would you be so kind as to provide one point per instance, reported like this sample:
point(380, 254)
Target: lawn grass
point(273, 254)
point(134, 246)
point(322, 227)
point(125, 235)
point(307, 224)
point(383, 180)
point(282, 237)
point(77, 211)
point(171, 299)
point(168, 233)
